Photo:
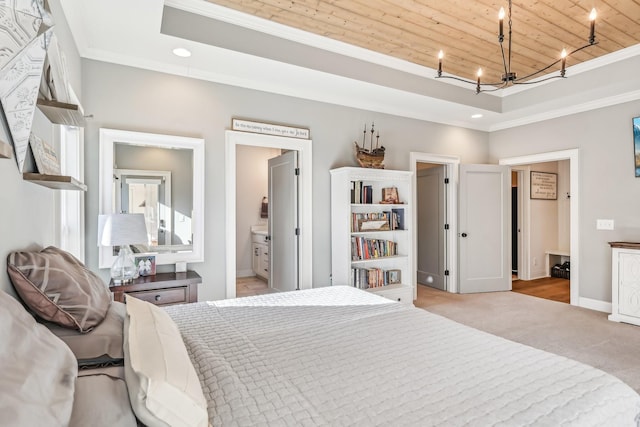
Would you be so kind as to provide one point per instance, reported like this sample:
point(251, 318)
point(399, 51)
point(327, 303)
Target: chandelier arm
point(455, 78)
point(551, 65)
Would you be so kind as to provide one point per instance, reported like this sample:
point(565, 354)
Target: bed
point(334, 356)
point(342, 356)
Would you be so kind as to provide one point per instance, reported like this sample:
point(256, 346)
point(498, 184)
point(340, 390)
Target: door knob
point(464, 234)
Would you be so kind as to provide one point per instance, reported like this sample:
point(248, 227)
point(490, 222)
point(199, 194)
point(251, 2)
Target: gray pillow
point(38, 374)
point(59, 288)
point(101, 346)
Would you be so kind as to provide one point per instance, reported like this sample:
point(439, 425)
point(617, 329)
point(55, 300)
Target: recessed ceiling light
point(476, 116)
point(182, 52)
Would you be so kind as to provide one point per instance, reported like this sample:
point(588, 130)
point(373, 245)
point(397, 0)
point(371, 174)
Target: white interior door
point(431, 205)
point(283, 222)
point(484, 228)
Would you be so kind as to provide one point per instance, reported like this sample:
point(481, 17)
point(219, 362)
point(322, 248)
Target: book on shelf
point(363, 248)
point(397, 216)
point(367, 278)
point(360, 193)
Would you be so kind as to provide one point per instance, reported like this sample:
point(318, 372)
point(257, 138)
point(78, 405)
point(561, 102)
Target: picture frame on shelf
point(146, 265)
point(390, 195)
point(394, 276)
point(44, 155)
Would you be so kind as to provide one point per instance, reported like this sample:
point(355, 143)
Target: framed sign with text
point(544, 185)
point(269, 129)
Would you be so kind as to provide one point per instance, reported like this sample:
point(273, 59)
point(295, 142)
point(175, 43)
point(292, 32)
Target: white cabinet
point(371, 245)
point(625, 282)
point(260, 255)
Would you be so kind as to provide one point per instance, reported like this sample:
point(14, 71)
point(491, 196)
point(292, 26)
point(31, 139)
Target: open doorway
point(235, 140)
point(548, 233)
point(435, 196)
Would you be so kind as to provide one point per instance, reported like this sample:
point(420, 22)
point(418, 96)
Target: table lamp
point(122, 230)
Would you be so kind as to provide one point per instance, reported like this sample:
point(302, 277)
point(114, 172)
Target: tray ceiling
point(465, 30)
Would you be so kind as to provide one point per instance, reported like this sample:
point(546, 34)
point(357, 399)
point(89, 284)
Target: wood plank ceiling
point(465, 30)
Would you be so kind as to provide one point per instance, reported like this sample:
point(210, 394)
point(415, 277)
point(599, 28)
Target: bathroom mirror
point(162, 177)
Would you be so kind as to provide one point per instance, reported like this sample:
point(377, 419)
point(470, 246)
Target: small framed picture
point(394, 276)
point(390, 195)
point(146, 265)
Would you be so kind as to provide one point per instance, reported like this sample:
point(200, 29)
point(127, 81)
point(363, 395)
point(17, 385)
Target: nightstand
point(161, 289)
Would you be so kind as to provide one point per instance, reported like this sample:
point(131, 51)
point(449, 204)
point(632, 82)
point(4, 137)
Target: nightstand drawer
point(162, 296)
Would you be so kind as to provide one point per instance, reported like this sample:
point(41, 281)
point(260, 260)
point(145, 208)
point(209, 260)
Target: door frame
point(304, 149)
point(573, 155)
point(451, 164)
point(523, 221)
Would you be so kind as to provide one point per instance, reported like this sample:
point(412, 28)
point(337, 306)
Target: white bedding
point(340, 356)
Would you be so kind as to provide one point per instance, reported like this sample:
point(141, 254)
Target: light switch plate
point(181, 267)
point(604, 224)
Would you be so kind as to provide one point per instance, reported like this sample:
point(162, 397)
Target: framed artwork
point(394, 276)
point(544, 185)
point(45, 156)
point(146, 265)
point(636, 144)
point(390, 195)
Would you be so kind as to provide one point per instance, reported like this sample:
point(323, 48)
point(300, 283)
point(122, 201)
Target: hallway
point(551, 288)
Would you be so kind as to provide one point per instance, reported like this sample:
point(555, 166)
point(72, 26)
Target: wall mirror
point(162, 177)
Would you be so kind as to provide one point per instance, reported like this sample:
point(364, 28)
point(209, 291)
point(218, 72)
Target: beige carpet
point(577, 333)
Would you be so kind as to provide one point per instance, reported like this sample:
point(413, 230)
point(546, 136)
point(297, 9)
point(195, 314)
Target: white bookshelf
point(342, 209)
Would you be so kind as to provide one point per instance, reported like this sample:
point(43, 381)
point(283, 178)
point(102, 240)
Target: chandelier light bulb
point(563, 55)
point(479, 72)
point(501, 13)
point(592, 26)
point(501, 25)
point(440, 55)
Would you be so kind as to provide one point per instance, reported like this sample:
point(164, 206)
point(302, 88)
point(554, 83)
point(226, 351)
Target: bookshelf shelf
point(394, 271)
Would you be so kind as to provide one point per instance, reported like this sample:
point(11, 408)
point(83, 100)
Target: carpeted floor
point(574, 332)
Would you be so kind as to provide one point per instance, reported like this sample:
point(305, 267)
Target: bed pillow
point(164, 388)
point(59, 288)
point(100, 347)
point(38, 371)
point(101, 400)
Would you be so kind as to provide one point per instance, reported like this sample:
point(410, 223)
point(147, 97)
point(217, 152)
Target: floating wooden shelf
point(57, 182)
point(6, 152)
point(62, 113)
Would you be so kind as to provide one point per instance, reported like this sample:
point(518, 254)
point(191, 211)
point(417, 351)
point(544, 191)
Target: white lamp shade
point(122, 229)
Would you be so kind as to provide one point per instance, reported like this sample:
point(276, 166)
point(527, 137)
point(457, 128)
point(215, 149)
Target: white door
point(484, 228)
point(283, 222)
point(431, 205)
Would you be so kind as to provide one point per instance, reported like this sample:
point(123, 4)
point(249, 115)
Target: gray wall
point(29, 211)
point(133, 99)
point(608, 187)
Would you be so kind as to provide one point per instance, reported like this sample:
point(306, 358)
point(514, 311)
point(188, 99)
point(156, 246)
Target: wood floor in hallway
point(249, 286)
point(552, 288)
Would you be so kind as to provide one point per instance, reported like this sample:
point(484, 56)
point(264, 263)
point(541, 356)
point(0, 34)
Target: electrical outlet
point(604, 224)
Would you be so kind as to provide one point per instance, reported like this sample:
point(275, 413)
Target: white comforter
point(343, 357)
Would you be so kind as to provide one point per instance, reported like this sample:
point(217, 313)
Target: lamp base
point(124, 269)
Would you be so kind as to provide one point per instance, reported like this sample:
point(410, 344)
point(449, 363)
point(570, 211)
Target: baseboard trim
point(594, 304)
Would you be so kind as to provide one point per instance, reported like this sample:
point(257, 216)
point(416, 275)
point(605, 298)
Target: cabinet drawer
point(162, 296)
point(402, 294)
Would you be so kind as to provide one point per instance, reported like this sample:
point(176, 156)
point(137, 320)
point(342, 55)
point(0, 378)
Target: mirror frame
point(108, 138)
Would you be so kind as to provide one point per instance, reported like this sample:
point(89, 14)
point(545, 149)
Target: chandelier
point(510, 77)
